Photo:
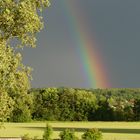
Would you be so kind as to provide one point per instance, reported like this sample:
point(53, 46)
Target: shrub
point(68, 135)
point(35, 138)
point(92, 134)
point(26, 137)
point(47, 132)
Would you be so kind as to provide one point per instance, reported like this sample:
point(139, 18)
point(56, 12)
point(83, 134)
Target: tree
point(5, 105)
point(136, 110)
point(19, 20)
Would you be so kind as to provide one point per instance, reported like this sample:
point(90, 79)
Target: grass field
point(111, 130)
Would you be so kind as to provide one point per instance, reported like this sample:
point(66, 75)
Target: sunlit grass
point(111, 130)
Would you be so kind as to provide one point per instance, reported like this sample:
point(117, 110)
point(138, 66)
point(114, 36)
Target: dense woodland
point(71, 104)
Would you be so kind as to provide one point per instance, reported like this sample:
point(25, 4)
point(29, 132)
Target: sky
point(113, 27)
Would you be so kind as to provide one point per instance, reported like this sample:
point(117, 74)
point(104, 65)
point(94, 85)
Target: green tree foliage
point(92, 134)
point(68, 135)
point(11, 75)
point(104, 112)
point(20, 20)
point(82, 104)
point(136, 110)
point(63, 104)
point(6, 104)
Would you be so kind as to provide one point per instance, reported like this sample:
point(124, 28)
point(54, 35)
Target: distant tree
point(83, 104)
point(104, 111)
point(136, 110)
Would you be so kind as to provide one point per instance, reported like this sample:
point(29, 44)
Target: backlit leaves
point(20, 20)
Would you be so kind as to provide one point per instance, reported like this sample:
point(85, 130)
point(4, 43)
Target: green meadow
point(110, 130)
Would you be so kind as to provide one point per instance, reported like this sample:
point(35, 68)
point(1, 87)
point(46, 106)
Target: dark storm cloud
point(116, 27)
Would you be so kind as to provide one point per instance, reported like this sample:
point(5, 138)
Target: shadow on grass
point(104, 130)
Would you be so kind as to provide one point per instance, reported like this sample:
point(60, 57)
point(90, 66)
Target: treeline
point(70, 104)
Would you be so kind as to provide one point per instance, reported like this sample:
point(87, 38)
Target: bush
point(47, 132)
point(92, 134)
point(68, 135)
point(26, 137)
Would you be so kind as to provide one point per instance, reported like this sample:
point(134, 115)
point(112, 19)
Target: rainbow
point(91, 61)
